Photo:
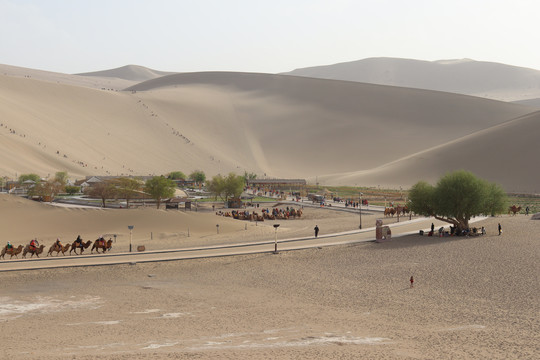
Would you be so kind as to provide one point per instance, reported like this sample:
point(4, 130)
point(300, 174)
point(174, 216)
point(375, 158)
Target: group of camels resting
point(398, 210)
point(36, 250)
point(279, 214)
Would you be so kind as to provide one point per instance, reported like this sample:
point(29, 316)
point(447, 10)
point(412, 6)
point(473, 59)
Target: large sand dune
point(465, 76)
point(504, 154)
point(281, 126)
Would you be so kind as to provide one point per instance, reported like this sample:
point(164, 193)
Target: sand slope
point(94, 82)
point(465, 76)
point(505, 154)
point(281, 126)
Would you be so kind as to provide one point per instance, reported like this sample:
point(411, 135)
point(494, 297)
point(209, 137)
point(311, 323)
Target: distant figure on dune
point(500, 229)
point(316, 228)
point(412, 281)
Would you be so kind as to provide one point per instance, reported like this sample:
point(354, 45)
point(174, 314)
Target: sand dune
point(339, 124)
point(504, 154)
point(94, 82)
point(128, 72)
point(281, 126)
point(464, 76)
point(530, 102)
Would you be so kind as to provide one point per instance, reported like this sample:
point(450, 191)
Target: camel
point(389, 211)
point(32, 250)
point(13, 251)
point(514, 209)
point(294, 213)
point(76, 246)
point(104, 246)
point(62, 249)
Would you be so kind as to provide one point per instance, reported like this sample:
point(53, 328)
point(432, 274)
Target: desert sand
point(472, 297)
point(219, 122)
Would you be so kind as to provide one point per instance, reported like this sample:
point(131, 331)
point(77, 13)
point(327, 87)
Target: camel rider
point(102, 241)
point(9, 246)
point(58, 244)
point(34, 244)
point(79, 241)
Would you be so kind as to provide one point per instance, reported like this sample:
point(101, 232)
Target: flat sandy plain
point(473, 298)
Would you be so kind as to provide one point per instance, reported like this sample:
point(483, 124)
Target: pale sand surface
point(473, 298)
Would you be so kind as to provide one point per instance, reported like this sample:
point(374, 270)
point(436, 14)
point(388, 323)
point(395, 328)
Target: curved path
point(348, 237)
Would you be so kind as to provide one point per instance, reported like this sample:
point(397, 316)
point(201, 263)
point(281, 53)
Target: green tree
point(228, 187)
point(250, 176)
point(160, 188)
point(103, 190)
point(127, 188)
point(457, 197)
point(198, 176)
point(46, 189)
point(61, 177)
point(216, 185)
point(177, 175)
point(72, 190)
point(34, 177)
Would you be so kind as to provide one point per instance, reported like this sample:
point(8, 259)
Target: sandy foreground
point(473, 298)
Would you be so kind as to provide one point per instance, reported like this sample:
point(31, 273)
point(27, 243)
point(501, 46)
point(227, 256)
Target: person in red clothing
point(34, 244)
point(412, 281)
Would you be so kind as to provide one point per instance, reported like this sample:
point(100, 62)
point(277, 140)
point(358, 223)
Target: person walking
point(316, 228)
point(412, 281)
point(527, 211)
point(500, 229)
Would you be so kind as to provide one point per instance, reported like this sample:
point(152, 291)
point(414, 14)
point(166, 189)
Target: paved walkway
point(347, 237)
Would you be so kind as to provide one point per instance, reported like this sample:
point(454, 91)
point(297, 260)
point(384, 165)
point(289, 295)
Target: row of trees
point(456, 198)
point(159, 187)
point(198, 176)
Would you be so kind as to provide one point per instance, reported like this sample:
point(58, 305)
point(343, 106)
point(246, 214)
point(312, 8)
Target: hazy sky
point(73, 36)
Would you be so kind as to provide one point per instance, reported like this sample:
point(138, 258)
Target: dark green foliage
point(160, 188)
point(177, 175)
point(198, 176)
point(457, 197)
point(231, 186)
point(71, 190)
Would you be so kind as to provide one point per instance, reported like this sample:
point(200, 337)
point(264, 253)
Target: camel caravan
point(35, 249)
point(275, 214)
